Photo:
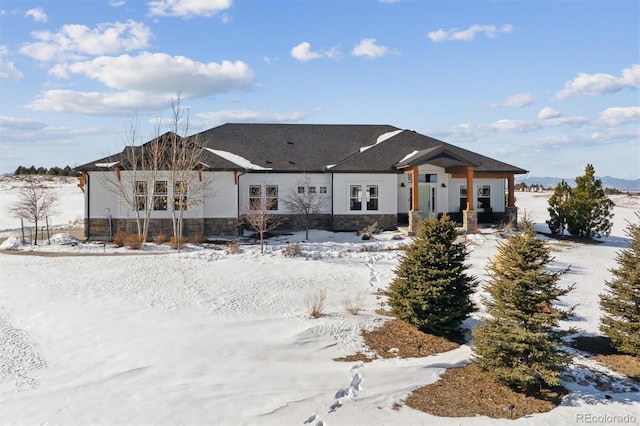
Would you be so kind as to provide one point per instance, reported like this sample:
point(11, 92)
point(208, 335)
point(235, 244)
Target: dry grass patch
point(397, 338)
point(623, 364)
point(468, 392)
point(408, 340)
point(357, 357)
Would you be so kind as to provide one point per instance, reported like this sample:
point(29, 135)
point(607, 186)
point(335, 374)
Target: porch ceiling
point(438, 156)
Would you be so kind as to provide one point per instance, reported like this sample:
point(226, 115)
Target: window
point(256, 200)
point(484, 190)
point(180, 195)
point(272, 197)
point(255, 197)
point(160, 195)
point(301, 190)
point(372, 197)
point(311, 189)
point(463, 191)
point(323, 189)
point(355, 197)
point(140, 194)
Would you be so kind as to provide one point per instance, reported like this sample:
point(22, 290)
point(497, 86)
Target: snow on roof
point(406, 158)
point(236, 159)
point(383, 137)
point(106, 164)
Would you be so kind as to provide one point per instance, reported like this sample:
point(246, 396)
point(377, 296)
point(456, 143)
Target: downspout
point(332, 197)
point(238, 201)
point(87, 231)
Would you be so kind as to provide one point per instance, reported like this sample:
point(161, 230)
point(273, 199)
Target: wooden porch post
point(511, 198)
point(415, 201)
point(471, 193)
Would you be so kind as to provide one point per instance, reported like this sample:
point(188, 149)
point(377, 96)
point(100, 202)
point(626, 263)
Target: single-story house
point(365, 173)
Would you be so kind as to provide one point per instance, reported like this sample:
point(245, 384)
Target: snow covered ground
point(207, 337)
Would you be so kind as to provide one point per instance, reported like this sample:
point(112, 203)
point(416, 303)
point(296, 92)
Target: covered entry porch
point(441, 181)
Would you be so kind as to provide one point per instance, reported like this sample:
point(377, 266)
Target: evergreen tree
point(559, 208)
point(584, 211)
point(590, 207)
point(431, 289)
point(621, 303)
point(519, 343)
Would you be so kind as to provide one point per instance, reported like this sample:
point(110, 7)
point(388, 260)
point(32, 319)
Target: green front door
point(427, 195)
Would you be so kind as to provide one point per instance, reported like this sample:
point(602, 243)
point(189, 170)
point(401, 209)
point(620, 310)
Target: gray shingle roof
point(314, 147)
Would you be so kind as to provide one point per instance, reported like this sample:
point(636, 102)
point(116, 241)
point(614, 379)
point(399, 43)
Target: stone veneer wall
point(353, 222)
point(98, 228)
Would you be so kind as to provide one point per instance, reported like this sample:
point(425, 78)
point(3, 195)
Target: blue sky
point(548, 86)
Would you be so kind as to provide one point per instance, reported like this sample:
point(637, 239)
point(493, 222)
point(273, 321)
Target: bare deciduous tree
point(35, 202)
point(260, 217)
point(140, 165)
point(185, 164)
point(304, 200)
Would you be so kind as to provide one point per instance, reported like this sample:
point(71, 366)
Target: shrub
point(292, 250)
point(368, 231)
point(177, 242)
point(160, 238)
point(120, 238)
point(620, 303)
point(431, 289)
point(134, 241)
point(520, 343)
point(584, 211)
point(197, 238)
point(354, 304)
point(232, 248)
point(316, 303)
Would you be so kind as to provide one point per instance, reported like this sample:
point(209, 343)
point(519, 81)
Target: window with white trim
point(140, 194)
point(355, 197)
point(372, 197)
point(255, 197)
point(160, 195)
point(272, 197)
point(323, 189)
point(179, 195)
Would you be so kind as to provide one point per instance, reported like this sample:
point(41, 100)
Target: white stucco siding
point(404, 193)
point(220, 198)
point(387, 192)
point(213, 196)
point(497, 197)
point(101, 201)
point(287, 184)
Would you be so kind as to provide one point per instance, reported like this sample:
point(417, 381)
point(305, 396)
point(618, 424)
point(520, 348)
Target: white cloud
point(116, 3)
point(619, 115)
point(468, 132)
point(468, 34)
point(8, 70)
point(145, 82)
point(599, 84)
point(207, 119)
point(516, 101)
point(547, 112)
point(78, 41)
point(98, 103)
point(163, 74)
point(226, 18)
point(188, 8)
point(302, 52)
point(37, 14)
point(368, 47)
point(14, 123)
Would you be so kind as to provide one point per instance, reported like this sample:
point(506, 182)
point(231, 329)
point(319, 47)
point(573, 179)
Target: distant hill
point(607, 182)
